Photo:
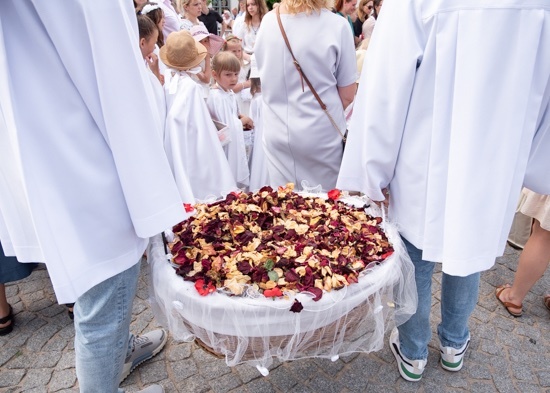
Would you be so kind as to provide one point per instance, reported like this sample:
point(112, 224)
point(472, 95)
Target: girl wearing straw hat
point(190, 140)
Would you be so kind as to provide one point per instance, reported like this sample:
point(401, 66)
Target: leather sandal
point(546, 300)
point(508, 305)
point(9, 318)
point(70, 310)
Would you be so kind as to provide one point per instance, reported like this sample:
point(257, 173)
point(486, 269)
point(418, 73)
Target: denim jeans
point(102, 326)
point(458, 300)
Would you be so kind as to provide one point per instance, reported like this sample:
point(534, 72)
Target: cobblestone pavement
point(506, 354)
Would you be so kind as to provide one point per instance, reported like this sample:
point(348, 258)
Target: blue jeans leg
point(458, 299)
point(102, 323)
point(415, 334)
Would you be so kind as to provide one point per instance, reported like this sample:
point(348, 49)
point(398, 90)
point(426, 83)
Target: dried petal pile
point(277, 241)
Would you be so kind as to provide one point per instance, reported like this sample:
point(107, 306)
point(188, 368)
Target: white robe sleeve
point(374, 144)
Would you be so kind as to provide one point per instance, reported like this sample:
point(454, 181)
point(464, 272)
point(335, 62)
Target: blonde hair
point(296, 6)
point(360, 13)
point(225, 61)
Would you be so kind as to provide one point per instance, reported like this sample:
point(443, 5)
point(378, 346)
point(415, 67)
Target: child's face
point(235, 48)
point(147, 45)
point(227, 80)
point(161, 23)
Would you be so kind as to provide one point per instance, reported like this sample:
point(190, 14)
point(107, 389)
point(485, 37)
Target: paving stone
point(261, 385)
point(225, 383)
point(525, 387)
point(40, 304)
point(194, 384)
point(328, 366)
point(247, 373)
point(21, 360)
point(377, 388)
point(56, 343)
point(52, 310)
point(544, 378)
point(478, 371)
point(503, 383)
point(10, 377)
point(281, 379)
point(7, 353)
point(323, 384)
point(178, 352)
point(36, 378)
point(41, 337)
point(181, 370)
point(67, 361)
point(62, 379)
point(303, 369)
point(153, 372)
point(47, 359)
point(214, 369)
point(12, 290)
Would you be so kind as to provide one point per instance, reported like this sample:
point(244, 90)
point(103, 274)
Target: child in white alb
point(242, 88)
point(191, 141)
point(223, 107)
point(148, 35)
point(259, 176)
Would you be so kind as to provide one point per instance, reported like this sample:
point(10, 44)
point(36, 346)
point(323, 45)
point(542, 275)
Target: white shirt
point(172, 21)
point(89, 181)
point(454, 118)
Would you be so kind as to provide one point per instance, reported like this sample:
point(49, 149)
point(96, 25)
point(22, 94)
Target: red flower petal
point(275, 292)
point(188, 207)
point(296, 306)
point(334, 194)
point(204, 288)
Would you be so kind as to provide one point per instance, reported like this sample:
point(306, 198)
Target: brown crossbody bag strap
point(304, 78)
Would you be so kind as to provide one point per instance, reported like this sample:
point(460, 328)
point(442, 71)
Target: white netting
point(254, 330)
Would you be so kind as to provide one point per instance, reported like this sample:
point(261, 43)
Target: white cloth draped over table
point(191, 142)
point(301, 142)
point(454, 120)
point(85, 180)
point(223, 107)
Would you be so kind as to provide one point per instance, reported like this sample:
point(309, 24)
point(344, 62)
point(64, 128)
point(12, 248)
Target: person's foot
point(546, 300)
point(144, 347)
point(6, 323)
point(410, 370)
point(452, 358)
point(503, 295)
point(152, 389)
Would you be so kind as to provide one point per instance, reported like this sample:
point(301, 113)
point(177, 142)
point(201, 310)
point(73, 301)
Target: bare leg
point(533, 262)
point(4, 306)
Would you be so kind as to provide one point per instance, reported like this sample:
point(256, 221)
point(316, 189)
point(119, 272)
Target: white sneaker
point(452, 358)
point(410, 370)
point(144, 347)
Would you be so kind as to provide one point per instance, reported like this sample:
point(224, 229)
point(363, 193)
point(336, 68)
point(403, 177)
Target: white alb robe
point(191, 142)
point(259, 175)
point(87, 180)
point(223, 107)
point(454, 118)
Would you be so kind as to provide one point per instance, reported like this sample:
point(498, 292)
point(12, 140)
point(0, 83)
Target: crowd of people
point(251, 98)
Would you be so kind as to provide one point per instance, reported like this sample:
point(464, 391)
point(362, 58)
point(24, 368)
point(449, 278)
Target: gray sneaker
point(144, 347)
point(452, 358)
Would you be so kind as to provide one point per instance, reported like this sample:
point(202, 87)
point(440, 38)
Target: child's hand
point(248, 124)
point(153, 62)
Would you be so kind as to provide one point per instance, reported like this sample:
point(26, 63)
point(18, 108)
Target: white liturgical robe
point(453, 115)
point(85, 180)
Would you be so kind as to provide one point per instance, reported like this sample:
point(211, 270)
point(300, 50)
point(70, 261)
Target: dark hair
point(156, 16)
point(375, 3)
point(146, 26)
point(255, 86)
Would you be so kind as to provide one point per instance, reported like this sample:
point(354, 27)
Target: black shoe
point(7, 329)
point(70, 307)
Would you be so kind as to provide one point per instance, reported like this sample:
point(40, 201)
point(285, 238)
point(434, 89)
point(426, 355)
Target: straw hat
point(181, 51)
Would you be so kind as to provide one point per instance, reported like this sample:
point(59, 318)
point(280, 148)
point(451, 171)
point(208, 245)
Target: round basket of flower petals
point(277, 273)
